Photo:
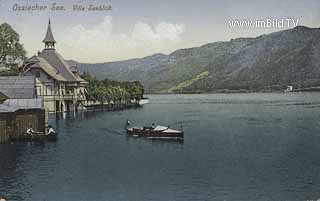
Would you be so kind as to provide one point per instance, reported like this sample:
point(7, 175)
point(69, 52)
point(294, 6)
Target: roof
point(5, 108)
point(12, 105)
point(24, 103)
point(49, 36)
point(18, 87)
point(56, 61)
point(74, 69)
point(51, 62)
point(46, 67)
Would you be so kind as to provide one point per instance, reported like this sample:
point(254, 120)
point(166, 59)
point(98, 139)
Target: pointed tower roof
point(49, 36)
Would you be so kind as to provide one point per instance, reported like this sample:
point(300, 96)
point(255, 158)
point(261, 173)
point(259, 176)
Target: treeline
point(113, 92)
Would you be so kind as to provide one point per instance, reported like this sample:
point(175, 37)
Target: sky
point(139, 28)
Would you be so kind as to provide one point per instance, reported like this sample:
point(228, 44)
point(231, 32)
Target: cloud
point(100, 43)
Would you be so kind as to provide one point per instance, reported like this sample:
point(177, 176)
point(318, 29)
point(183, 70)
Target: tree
point(12, 53)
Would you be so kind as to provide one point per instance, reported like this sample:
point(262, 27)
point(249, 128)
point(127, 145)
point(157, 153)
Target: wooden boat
point(158, 132)
point(42, 137)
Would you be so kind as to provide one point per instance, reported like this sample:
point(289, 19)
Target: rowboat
point(37, 136)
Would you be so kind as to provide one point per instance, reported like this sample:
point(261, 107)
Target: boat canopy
point(160, 128)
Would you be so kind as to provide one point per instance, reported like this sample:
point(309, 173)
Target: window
point(48, 90)
point(37, 73)
point(39, 90)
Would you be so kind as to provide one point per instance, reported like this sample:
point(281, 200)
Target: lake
point(259, 147)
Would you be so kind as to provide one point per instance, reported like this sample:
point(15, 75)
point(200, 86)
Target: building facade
point(57, 83)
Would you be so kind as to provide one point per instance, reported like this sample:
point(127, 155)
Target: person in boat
point(50, 130)
point(30, 131)
point(152, 127)
point(127, 124)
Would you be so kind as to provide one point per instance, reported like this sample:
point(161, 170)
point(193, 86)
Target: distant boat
point(144, 101)
point(289, 89)
point(158, 132)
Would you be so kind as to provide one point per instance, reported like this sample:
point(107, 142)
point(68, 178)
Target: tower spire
point(49, 39)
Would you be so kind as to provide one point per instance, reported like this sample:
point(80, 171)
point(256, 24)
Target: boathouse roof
point(18, 87)
point(6, 108)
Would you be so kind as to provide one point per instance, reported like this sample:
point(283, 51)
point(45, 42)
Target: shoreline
point(236, 92)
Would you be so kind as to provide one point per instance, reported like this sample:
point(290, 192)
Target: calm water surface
point(259, 147)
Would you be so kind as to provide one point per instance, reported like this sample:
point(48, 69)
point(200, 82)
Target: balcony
point(64, 97)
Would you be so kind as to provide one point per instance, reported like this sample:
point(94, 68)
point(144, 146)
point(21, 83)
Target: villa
point(57, 83)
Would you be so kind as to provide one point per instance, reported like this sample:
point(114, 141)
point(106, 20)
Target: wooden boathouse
point(19, 107)
point(15, 123)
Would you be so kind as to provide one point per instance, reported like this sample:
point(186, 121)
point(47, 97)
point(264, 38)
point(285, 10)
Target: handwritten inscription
point(56, 7)
point(91, 7)
point(59, 7)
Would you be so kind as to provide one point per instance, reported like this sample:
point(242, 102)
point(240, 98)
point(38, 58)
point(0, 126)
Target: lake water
point(259, 147)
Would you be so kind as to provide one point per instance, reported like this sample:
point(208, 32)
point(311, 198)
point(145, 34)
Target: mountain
point(268, 62)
